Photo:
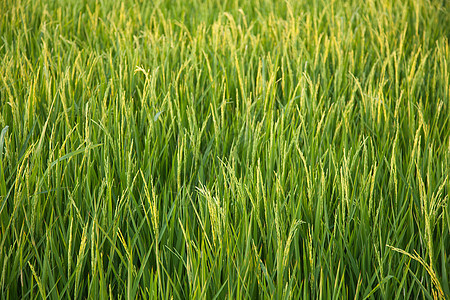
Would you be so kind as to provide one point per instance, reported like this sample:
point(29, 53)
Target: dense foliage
point(225, 149)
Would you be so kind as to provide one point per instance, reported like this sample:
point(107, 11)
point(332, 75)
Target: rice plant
point(206, 149)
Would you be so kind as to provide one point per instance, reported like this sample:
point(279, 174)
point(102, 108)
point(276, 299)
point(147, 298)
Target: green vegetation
point(193, 149)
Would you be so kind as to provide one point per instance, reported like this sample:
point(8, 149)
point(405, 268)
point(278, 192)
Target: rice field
point(224, 149)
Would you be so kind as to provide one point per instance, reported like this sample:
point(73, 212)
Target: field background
point(224, 149)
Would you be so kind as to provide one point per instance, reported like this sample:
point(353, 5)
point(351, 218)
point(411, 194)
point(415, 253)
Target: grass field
point(195, 149)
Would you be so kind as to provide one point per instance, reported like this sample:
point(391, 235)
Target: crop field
point(224, 149)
